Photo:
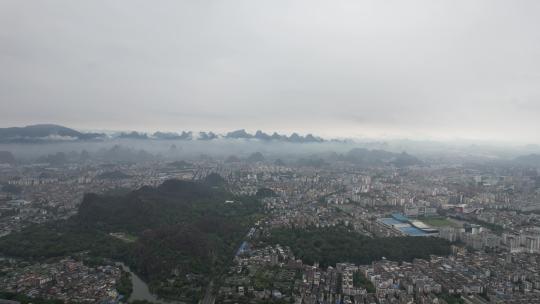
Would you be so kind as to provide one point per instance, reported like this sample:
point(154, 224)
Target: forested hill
point(172, 230)
point(173, 202)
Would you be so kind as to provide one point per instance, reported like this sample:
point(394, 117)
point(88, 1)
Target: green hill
point(181, 228)
point(43, 132)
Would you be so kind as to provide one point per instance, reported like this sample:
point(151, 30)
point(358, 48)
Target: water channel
point(141, 290)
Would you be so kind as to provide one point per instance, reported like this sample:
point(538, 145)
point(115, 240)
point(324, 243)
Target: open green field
point(439, 222)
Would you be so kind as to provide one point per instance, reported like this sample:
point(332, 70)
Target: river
point(141, 290)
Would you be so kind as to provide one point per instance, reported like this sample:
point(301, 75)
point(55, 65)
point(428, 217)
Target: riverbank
point(141, 291)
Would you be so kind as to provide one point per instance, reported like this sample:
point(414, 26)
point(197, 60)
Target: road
point(209, 297)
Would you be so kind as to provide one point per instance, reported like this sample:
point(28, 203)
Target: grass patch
point(439, 222)
point(128, 238)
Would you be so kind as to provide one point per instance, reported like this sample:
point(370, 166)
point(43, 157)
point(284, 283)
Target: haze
point(414, 69)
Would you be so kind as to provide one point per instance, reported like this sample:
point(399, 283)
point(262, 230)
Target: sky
point(390, 69)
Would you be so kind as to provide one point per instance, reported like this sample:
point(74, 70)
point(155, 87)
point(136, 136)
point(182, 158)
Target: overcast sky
point(418, 69)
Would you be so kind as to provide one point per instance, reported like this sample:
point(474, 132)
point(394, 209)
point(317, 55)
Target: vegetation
point(263, 279)
point(27, 300)
point(360, 280)
point(265, 192)
point(125, 286)
point(8, 212)
point(128, 238)
point(439, 222)
point(13, 189)
point(61, 238)
point(495, 228)
point(329, 246)
point(185, 234)
point(452, 299)
point(114, 175)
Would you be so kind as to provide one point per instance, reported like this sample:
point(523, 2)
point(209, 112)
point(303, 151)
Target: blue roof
point(400, 217)
point(390, 221)
point(243, 248)
point(412, 231)
point(403, 226)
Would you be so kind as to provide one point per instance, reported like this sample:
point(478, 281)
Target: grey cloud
point(439, 69)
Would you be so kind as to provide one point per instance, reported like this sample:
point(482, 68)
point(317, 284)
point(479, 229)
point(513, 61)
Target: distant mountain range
point(44, 132)
point(242, 134)
point(374, 157)
point(56, 133)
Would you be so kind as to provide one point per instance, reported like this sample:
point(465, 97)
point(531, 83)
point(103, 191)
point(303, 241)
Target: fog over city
point(441, 70)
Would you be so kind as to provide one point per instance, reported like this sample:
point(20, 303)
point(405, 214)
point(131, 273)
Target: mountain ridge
point(45, 133)
point(58, 133)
